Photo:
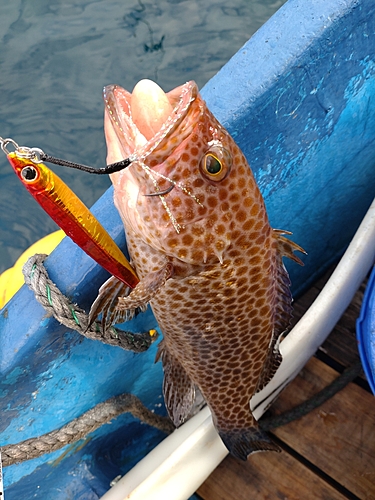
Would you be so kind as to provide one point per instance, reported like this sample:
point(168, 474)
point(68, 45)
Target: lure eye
point(29, 173)
point(216, 163)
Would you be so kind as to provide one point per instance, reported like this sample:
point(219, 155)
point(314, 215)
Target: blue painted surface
point(366, 332)
point(302, 110)
point(50, 375)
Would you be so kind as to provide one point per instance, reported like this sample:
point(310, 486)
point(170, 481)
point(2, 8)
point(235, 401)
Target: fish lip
point(111, 104)
point(125, 130)
point(117, 106)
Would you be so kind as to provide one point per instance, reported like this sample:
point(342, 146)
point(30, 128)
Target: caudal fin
point(241, 443)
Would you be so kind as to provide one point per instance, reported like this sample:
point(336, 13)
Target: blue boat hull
point(299, 100)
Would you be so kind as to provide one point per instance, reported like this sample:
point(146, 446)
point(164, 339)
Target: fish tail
point(243, 442)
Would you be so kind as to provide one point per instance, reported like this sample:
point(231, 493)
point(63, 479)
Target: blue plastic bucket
point(366, 332)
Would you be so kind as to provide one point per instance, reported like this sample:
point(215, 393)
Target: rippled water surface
point(57, 55)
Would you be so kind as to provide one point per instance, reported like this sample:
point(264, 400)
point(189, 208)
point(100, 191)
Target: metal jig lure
point(68, 211)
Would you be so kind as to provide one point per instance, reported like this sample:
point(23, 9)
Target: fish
point(73, 217)
point(210, 265)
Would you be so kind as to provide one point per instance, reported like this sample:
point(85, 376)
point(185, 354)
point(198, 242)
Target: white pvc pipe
point(319, 320)
point(179, 465)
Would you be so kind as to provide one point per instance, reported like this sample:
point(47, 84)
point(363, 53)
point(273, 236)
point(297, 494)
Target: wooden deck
point(328, 454)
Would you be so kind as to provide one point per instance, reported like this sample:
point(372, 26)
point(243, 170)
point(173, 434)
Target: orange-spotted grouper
point(208, 261)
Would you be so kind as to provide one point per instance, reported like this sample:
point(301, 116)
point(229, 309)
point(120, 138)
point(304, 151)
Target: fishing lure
point(69, 212)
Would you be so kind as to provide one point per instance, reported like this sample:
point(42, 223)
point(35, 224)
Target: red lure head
point(34, 176)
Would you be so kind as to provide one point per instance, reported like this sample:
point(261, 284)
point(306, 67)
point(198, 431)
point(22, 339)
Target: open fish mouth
point(145, 120)
point(179, 173)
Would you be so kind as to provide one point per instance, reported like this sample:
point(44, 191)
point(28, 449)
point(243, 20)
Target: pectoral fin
point(146, 289)
point(119, 303)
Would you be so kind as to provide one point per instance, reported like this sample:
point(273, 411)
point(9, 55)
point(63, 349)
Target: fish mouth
point(145, 121)
point(154, 129)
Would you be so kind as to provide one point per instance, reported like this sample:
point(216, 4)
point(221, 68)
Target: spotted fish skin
point(209, 263)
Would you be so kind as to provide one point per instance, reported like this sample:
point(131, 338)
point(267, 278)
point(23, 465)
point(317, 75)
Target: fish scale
point(209, 263)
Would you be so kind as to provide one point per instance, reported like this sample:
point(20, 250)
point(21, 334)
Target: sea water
point(57, 55)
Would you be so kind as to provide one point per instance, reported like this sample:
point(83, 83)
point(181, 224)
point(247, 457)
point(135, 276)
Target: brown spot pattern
point(217, 312)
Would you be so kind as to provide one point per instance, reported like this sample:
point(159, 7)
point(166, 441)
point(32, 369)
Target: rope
point(113, 407)
point(299, 411)
point(83, 425)
point(75, 318)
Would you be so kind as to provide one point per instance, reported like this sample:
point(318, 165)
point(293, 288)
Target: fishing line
point(109, 169)
point(37, 155)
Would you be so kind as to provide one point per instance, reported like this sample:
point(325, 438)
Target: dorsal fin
point(283, 310)
point(287, 247)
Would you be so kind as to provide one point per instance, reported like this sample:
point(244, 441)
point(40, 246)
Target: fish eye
point(216, 163)
point(212, 165)
point(29, 173)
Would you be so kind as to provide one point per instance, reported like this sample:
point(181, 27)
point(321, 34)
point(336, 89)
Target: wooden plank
point(266, 476)
point(341, 345)
point(338, 437)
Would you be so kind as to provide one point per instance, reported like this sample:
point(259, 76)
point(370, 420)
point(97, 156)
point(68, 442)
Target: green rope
point(49, 295)
point(75, 318)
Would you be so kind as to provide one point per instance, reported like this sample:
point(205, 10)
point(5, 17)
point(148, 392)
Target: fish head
point(176, 195)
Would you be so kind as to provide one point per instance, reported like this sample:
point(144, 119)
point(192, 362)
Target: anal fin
point(178, 389)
